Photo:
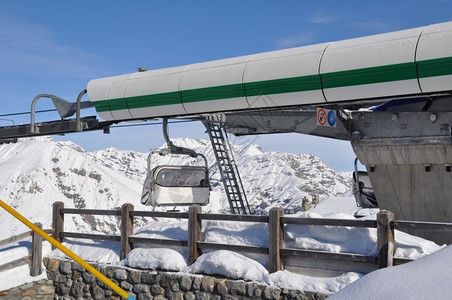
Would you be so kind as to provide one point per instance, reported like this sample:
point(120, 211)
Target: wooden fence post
point(36, 253)
point(385, 235)
point(58, 221)
point(276, 239)
point(126, 229)
point(194, 232)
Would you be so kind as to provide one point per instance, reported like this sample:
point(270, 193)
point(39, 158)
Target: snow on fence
point(297, 260)
point(35, 259)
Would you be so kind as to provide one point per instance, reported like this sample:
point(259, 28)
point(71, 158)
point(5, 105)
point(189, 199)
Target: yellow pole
point(68, 252)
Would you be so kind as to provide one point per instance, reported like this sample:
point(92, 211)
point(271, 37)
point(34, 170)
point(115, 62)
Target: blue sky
point(56, 47)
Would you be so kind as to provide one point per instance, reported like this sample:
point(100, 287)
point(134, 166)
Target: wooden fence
point(299, 260)
point(34, 259)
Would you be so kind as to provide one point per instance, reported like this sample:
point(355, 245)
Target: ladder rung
point(228, 170)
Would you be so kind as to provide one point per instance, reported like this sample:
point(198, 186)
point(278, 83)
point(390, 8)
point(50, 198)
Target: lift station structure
point(388, 94)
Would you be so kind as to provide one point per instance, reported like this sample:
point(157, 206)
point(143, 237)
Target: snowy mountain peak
point(250, 150)
point(189, 143)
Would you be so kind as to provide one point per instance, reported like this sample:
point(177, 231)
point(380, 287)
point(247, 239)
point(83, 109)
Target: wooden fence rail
point(278, 255)
point(34, 259)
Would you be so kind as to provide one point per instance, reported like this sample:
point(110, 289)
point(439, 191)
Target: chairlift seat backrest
point(363, 190)
point(180, 176)
point(364, 180)
point(176, 185)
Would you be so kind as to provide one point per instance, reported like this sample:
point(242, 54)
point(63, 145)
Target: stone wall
point(72, 282)
point(42, 289)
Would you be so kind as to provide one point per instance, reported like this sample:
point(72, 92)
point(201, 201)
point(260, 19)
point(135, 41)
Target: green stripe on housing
point(435, 67)
point(101, 106)
point(284, 85)
point(154, 100)
point(213, 93)
point(138, 102)
point(371, 75)
point(118, 104)
point(388, 73)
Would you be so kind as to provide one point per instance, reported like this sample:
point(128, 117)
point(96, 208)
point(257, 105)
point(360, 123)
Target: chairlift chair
point(175, 185)
point(362, 189)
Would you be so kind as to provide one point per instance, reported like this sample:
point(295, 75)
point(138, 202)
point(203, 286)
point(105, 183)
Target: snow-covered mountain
point(37, 172)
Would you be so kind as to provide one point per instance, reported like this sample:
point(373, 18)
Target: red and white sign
point(326, 117)
point(321, 116)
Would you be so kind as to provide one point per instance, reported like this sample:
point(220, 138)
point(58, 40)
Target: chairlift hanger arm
point(173, 149)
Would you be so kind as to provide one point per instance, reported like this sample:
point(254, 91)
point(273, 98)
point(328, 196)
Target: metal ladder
point(228, 169)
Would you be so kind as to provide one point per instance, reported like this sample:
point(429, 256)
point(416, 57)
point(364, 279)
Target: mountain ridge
point(40, 171)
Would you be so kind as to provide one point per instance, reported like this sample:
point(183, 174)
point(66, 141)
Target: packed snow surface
point(427, 278)
point(230, 264)
point(156, 259)
point(289, 280)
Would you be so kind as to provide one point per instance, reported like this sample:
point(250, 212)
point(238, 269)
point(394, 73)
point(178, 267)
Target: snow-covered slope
point(38, 172)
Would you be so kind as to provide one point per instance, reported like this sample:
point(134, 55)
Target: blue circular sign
point(331, 118)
